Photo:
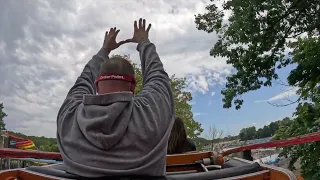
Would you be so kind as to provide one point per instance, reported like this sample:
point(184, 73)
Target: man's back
point(120, 138)
point(116, 133)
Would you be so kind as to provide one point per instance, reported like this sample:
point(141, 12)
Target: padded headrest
point(217, 174)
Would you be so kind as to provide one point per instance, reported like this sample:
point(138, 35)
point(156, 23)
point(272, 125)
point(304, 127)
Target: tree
point(307, 120)
point(267, 131)
point(181, 98)
point(260, 37)
point(213, 135)
point(247, 133)
point(49, 148)
point(254, 40)
point(2, 116)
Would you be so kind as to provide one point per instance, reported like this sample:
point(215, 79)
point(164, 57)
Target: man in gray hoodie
point(116, 133)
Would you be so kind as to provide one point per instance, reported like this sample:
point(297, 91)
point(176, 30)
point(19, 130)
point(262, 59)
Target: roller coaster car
point(191, 166)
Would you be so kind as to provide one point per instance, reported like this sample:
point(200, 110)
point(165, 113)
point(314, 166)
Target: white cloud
point(45, 44)
point(192, 102)
point(199, 114)
point(284, 95)
point(213, 93)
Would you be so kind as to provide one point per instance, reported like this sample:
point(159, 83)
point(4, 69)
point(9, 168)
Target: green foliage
point(2, 116)
point(181, 98)
point(267, 130)
point(49, 148)
point(247, 133)
point(307, 74)
point(306, 121)
point(254, 38)
point(307, 116)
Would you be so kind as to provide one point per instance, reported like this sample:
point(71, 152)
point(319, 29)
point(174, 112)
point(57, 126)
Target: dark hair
point(177, 137)
point(117, 65)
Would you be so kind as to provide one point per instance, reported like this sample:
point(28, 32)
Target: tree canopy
point(307, 120)
point(2, 116)
point(260, 37)
point(181, 98)
point(255, 37)
point(248, 133)
point(269, 130)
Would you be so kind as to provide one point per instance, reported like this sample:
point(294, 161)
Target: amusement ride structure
point(19, 143)
point(193, 165)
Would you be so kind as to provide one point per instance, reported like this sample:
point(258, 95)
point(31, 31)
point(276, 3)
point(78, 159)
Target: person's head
point(116, 75)
point(177, 137)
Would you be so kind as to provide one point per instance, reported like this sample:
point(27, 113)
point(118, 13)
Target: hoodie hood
point(103, 119)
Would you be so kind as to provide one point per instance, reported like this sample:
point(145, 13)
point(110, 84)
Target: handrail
point(311, 137)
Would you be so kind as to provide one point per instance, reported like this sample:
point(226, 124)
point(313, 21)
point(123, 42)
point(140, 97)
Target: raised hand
point(140, 32)
point(110, 42)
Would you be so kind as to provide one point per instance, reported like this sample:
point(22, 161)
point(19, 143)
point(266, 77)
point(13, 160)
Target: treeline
point(267, 131)
point(249, 133)
point(200, 142)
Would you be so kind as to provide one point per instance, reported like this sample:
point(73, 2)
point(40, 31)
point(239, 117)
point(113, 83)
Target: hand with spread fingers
point(140, 32)
point(110, 42)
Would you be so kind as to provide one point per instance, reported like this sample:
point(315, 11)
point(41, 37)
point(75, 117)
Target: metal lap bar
point(199, 165)
point(204, 168)
point(183, 167)
point(181, 172)
point(205, 161)
point(213, 167)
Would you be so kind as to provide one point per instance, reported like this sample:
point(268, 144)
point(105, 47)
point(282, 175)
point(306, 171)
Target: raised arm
point(155, 79)
point(85, 82)
point(156, 89)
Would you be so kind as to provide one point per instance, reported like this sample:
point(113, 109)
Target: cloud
point(284, 95)
point(45, 44)
point(199, 114)
point(210, 101)
point(192, 102)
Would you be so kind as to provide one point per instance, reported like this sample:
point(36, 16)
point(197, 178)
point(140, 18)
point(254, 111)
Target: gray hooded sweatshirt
point(117, 134)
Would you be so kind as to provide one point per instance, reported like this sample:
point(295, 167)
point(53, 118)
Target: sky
point(45, 44)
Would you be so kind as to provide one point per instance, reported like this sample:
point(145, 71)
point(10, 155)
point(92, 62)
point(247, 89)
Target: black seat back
point(218, 174)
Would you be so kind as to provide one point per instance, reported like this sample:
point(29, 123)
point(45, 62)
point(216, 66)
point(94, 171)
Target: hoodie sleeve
point(156, 86)
point(83, 85)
